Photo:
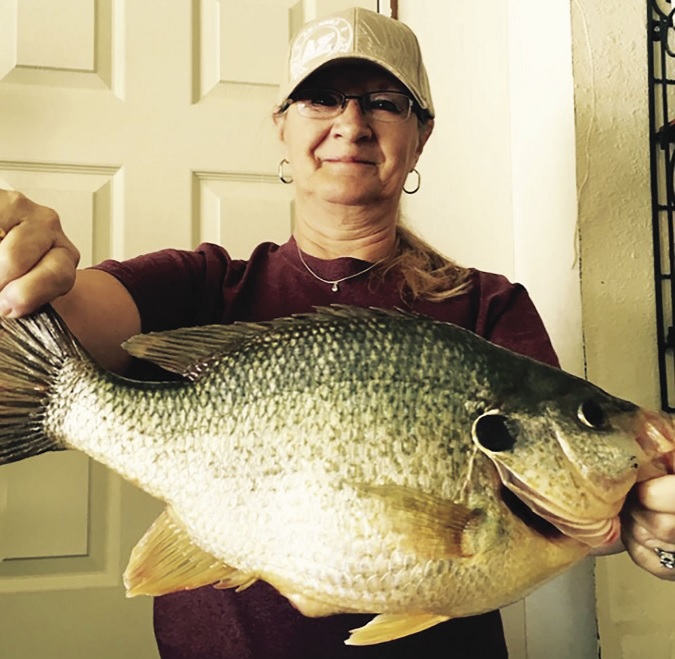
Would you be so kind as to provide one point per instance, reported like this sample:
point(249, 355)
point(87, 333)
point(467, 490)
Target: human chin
point(349, 190)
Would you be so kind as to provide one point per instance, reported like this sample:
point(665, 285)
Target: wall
point(635, 610)
point(499, 192)
point(498, 175)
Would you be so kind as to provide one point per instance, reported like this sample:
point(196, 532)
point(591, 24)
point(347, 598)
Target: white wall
point(635, 610)
point(464, 205)
point(499, 192)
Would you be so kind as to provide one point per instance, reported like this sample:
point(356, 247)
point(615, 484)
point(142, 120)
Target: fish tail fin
point(33, 350)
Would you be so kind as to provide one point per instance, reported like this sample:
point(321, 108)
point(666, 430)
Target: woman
point(354, 119)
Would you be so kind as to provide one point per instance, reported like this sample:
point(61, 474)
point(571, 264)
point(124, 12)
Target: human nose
point(352, 122)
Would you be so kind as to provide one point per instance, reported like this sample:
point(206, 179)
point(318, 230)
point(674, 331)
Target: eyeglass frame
point(413, 107)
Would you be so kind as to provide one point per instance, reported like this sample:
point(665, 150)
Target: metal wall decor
point(661, 71)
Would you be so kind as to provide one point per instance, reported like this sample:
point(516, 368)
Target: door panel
point(146, 124)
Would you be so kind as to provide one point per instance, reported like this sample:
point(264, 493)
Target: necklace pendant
point(334, 287)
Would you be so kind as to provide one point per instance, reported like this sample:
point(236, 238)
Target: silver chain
point(334, 283)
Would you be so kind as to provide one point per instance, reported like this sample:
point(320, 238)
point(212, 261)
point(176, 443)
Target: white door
point(146, 124)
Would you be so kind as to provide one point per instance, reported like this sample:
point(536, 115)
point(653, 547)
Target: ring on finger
point(666, 558)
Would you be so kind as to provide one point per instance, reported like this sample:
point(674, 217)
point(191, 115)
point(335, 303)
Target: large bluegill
point(357, 460)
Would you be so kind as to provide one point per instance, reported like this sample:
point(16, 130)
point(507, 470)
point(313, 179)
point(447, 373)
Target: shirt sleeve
point(507, 317)
point(174, 288)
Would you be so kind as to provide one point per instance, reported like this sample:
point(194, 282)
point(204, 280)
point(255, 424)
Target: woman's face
point(351, 159)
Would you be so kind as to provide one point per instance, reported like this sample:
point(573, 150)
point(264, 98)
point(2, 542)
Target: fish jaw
point(657, 440)
point(596, 532)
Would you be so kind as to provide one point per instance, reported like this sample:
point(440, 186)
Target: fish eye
point(592, 415)
point(493, 432)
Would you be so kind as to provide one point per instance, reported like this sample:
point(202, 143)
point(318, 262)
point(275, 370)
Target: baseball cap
point(359, 33)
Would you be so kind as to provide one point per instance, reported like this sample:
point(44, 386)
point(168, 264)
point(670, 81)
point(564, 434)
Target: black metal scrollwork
point(661, 63)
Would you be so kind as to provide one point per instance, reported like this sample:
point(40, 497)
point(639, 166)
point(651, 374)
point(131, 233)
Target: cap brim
point(289, 87)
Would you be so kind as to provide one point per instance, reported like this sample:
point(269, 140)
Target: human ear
point(280, 124)
point(424, 134)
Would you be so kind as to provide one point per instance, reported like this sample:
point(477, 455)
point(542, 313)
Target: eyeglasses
point(328, 103)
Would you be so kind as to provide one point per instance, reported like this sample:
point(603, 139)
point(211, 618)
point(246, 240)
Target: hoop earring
point(280, 172)
point(417, 187)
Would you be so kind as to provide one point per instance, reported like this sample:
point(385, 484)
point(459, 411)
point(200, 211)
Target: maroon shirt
point(179, 288)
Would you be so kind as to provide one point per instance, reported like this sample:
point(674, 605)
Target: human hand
point(37, 261)
point(648, 526)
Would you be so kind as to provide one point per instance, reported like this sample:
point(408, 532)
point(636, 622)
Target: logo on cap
point(322, 40)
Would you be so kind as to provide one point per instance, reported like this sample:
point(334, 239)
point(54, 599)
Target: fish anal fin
point(166, 560)
point(389, 627)
point(236, 579)
point(433, 527)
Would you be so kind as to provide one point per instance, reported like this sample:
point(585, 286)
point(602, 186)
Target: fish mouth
point(524, 513)
point(657, 440)
point(553, 521)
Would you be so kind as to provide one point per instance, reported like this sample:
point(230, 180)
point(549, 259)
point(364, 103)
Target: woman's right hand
point(37, 261)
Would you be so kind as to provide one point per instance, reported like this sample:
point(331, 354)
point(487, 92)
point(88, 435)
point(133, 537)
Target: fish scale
point(357, 460)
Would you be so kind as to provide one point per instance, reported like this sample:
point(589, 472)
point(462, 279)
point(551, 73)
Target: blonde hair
point(427, 274)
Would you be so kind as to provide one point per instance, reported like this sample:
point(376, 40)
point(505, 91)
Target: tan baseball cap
point(359, 33)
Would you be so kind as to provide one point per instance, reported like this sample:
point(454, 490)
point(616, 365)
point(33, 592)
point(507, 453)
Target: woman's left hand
point(648, 526)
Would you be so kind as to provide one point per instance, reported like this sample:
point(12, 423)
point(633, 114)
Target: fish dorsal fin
point(166, 560)
point(435, 528)
point(188, 351)
point(362, 313)
point(388, 627)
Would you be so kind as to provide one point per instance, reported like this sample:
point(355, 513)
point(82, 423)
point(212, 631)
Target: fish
point(358, 460)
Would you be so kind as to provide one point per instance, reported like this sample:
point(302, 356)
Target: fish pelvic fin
point(389, 627)
point(33, 349)
point(432, 527)
point(166, 560)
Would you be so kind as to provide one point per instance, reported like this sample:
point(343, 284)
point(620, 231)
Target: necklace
point(334, 283)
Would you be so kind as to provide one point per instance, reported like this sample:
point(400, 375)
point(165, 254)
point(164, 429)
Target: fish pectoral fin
point(166, 560)
point(388, 627)
point(434, 527)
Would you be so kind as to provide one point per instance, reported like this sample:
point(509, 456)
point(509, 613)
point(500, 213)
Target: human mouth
point(348, 160)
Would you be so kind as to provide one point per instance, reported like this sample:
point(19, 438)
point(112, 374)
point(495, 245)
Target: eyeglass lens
point(326, 103)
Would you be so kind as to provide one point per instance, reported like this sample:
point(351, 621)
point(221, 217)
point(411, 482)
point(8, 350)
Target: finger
point(16, 210)
point(644, 516)
point(652, 529)
point(13, 208)
point(649, 560)
point(659, 526)
point(53, 276)
point(657, 494)
point(18, 256)
point(27, 232)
